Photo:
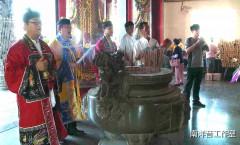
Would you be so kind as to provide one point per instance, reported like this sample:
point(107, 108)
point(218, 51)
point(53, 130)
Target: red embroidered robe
point(36, 118)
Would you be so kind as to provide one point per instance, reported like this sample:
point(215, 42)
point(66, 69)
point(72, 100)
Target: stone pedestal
point(113, 139)
point(136, 104)
point(138, 139)
point(106, 141)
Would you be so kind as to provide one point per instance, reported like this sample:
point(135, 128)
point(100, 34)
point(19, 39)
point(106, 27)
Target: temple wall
point(177, 22)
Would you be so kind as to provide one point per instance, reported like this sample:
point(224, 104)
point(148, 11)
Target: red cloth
point(61, 131)
point(83, 91)
point(166, 42)
point(102, 45)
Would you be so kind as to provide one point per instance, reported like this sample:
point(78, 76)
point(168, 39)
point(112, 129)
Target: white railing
point(6, 40)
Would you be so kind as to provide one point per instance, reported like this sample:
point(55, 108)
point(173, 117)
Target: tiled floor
point(8, 110)
point(222, 114)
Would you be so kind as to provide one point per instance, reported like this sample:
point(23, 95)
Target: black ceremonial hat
point(29, 14)
point(106, 24)
point(63, 21)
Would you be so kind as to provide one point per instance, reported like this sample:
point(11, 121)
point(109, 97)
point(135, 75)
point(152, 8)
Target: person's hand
point(42, 64)
point(198, 41)
point(202, 40)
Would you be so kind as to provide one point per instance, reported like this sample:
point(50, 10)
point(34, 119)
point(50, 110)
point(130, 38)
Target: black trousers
point(72, 125)
point(194, 78)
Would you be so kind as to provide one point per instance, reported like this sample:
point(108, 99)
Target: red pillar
point(129, 10)
point(161, 20)
point(61, 8)
point(157, 20)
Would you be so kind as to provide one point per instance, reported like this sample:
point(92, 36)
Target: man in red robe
point(30, 73)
